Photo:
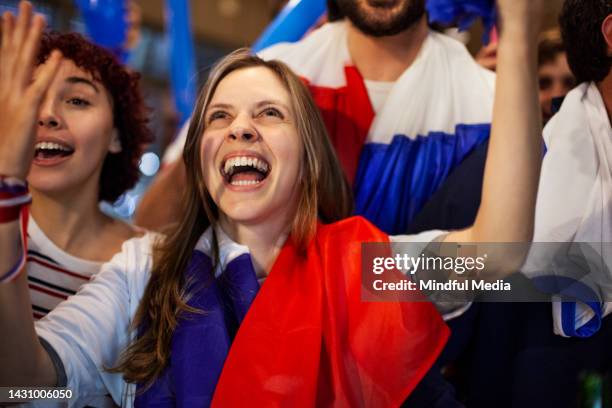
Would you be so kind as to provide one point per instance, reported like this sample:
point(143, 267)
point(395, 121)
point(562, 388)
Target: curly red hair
point(120, 171)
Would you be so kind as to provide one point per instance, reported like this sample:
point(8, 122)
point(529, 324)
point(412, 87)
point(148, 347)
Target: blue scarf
point(201, 342)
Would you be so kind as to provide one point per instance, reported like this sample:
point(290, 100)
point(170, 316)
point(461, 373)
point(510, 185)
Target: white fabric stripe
point(13, 181)
point(15, 201)
point(320, 57)
point(444, 87)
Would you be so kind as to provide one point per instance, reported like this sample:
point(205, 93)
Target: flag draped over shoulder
point(577, 172)
point(438, 111)
point(307, 338)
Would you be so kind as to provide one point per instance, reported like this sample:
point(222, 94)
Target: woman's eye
point(217, 115)
point(272, 112)
point(78, 102)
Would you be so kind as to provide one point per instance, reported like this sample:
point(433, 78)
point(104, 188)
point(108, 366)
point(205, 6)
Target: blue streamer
point(106, 24)
point(291, 23)
point(463, 13)
point(182, 57)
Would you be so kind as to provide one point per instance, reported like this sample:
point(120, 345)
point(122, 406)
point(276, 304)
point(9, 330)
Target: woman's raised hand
point(20, 93)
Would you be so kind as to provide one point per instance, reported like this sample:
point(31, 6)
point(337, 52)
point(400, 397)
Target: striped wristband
point(14, 197)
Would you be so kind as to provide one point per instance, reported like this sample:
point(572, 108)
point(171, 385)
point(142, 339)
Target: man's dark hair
point(586, 48)
point(333, 11)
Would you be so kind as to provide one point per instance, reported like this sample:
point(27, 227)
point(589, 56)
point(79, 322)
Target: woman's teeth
point(253, 162)
point(51, 146)
point(244, 182)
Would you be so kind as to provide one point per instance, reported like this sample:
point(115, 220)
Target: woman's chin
point(245, 214)
point(47, 183)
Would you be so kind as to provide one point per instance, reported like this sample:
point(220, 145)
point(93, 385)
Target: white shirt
point(378, 91)
point(92, 328)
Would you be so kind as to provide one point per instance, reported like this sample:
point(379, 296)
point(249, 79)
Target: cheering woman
point(254, 297)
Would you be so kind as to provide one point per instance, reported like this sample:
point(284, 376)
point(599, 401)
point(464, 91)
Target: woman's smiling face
point(75, 133)
point(251, 151)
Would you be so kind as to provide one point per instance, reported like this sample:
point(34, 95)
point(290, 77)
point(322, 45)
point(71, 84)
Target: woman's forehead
point(251, 84)
point(68, 69)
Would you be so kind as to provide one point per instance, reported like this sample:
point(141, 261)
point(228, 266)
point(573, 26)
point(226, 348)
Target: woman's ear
point(606, 30)
point(115, 143)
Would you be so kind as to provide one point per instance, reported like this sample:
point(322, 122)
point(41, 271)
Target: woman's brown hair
point(324, 195)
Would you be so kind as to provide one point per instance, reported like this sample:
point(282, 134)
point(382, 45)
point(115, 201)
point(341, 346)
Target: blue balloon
point(291, 23)
point(105, 21)
point(182, 57)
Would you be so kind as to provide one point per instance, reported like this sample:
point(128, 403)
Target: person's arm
point(89, 331)
point(161, 204)
point(85, 333)
point(24, 360)
point(506, 213)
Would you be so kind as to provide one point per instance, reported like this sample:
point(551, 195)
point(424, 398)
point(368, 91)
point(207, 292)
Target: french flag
point(435, 115)
point(304, 338)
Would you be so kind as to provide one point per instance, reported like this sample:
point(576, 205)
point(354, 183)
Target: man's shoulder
point(458, 56)
point(319, 57)
point(569, 123)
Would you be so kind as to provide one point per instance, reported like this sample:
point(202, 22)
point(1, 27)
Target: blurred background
point(204, 31)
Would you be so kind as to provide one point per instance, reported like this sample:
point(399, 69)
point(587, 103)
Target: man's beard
point(410, 13)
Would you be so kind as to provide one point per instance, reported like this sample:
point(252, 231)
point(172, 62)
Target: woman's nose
point(243, 133)
point(48, 117)
point(48, 122)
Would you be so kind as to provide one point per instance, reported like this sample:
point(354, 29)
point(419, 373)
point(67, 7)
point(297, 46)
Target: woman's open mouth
point(245, 170)
point(50, 153)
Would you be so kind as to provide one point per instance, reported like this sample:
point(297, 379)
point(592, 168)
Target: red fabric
point(9, 214)
point(309, 339)
point(348, 115)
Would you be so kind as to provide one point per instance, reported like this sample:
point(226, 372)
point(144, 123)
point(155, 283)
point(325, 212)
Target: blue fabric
point(463, 12)
point(201, 341)
point(291, 23)
point(573, 289)
point(182, 58)
point(395, 180)
point(568, 320)
point(105, 21)
point(455, 204)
